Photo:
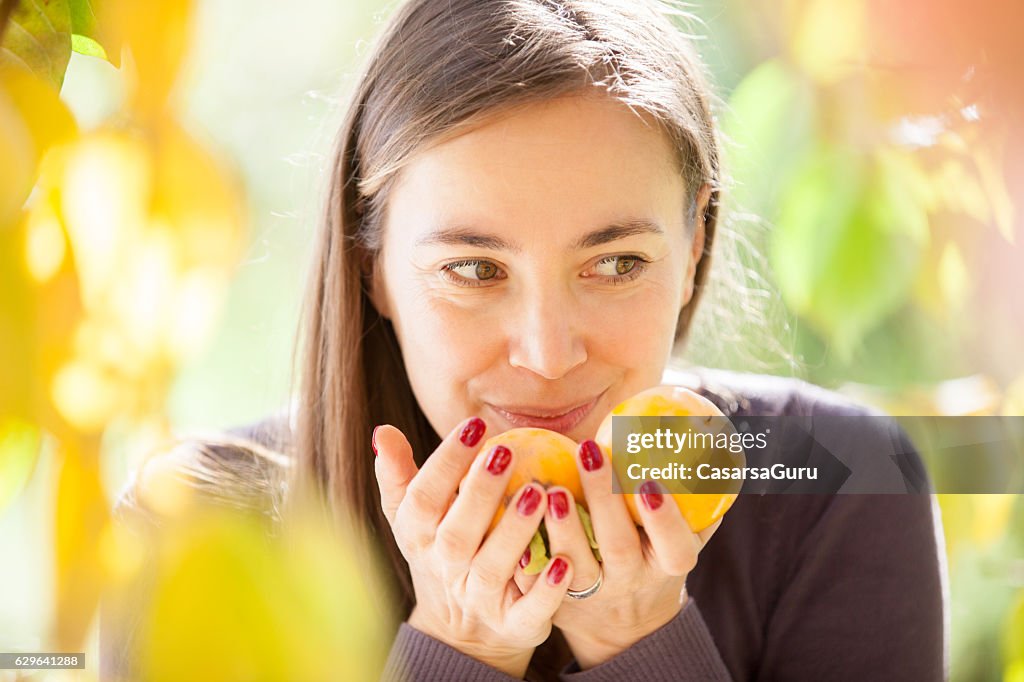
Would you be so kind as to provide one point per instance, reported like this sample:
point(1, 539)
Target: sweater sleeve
point(680, 651)
point(418, 657)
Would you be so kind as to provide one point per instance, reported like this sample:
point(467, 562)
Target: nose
point(546, 335)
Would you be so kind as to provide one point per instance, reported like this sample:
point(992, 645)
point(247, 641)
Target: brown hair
point(439, 68)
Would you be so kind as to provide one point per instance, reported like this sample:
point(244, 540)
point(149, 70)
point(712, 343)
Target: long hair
point(439, 68)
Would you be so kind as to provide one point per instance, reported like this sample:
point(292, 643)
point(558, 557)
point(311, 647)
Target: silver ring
point(590, 591)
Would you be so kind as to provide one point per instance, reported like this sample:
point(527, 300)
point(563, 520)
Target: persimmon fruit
point(549, 458)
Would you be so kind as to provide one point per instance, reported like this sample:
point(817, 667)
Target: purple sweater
point(790, 587)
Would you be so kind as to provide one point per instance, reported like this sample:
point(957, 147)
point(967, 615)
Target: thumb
point(395, 467)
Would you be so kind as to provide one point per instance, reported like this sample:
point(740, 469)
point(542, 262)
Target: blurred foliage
point(117, 244)
point(227, 594)
point(880, 143)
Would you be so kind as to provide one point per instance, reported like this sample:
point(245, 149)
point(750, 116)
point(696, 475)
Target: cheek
point(637, 330)
point(444, 347)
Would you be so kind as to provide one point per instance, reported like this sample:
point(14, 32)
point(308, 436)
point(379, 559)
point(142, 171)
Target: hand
point(645, 568)
point(465, 595)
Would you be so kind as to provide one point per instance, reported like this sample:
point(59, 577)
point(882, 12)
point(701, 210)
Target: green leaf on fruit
point(539, 545)
point(538, 555)
point(588, 528)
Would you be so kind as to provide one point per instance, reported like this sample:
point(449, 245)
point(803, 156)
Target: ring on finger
point(590, 591)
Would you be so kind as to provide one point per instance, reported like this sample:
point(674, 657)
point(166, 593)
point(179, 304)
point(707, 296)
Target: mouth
point(560, 419)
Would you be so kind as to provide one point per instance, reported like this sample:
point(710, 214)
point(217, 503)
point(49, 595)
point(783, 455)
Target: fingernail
point(373, 440)
point(651, 497)
point(558, 503)
point(498, 460)
point(472, 432)
point(590, 455)
point(524, 560)
point(528, 501)
point(557, 571)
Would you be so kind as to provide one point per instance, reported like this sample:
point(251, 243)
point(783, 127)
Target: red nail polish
point(528, 501)
point(472, 432)
point(498, 460)
point(590, 455)
point(651, 497)
point(524, 560)
point(558, 504)
point(557, 571)
point(373, 440)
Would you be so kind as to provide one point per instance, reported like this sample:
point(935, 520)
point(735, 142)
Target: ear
point(697, 245)
point(374, 282)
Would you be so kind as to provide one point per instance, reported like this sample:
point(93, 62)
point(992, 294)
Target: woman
point(520, 224)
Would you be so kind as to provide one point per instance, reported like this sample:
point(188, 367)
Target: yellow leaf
point(32, 119)
point(157, 34)
point(17, 172)
point(80, 517)
point(37, 320)
point(236, 604)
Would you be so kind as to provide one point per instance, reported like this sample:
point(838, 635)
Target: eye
point(472, 273)
point(619, 269)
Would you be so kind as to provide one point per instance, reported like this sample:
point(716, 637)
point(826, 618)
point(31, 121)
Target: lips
point(560, 419)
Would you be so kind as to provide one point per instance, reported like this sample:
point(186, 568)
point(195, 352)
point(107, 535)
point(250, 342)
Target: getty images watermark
point(820, 454)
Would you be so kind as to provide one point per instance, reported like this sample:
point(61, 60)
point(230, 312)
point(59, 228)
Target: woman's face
point(534, 268)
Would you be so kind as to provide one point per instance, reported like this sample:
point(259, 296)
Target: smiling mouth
point(561, 420)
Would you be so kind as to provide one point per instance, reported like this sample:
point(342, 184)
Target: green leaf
point(848, 243)
point(538, 555)
point(88, 39)
point(83, 17)
point(768, 128)
point(588, 528)
point(87, 46)
point(38, 37)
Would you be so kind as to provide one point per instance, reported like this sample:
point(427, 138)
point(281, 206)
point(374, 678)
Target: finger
point(674, 545)
point(524, 582)
point(493, 566)
point(545, 595)
point(567, 537)
point(430, 493)
point(614, 530)
point(462, 530)
point(395, 467)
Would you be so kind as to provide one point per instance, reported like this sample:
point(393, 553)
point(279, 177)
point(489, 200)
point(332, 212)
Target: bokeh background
point(155, 222)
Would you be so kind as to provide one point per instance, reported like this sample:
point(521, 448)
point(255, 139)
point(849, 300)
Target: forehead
point(552, 166)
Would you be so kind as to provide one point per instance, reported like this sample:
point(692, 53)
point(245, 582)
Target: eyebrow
point(465, 236)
